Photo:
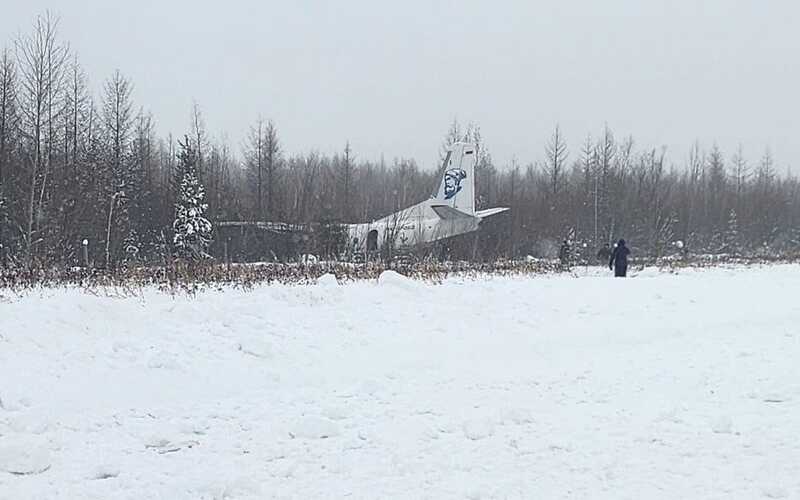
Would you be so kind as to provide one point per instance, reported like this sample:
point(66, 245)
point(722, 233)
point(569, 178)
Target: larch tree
point(262, 162)
point(8, 125)
point(121, 180)
point(345, 178)
point(41, 61)
point(555, 161)
point(255, 158)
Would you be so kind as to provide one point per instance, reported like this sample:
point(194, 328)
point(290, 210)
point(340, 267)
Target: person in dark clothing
point(604, 253)
point(564, 254)
point(619, 259)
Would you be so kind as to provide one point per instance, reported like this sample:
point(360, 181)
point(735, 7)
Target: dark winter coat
point(619, 259)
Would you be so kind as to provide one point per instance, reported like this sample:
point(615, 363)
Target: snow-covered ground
point(660, 386)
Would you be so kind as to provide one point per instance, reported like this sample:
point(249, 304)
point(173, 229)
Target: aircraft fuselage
point(418, 224)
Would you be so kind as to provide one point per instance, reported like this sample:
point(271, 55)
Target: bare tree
point(766, 201)
point(272, 164)
point(556, 157)
point(254, 157)
point(144, 147)
point(346, 179)
point(76, 112)
point(143, 165)
point(765, 175)
point(42, 59)
point(118, 118)
point(454, 135)
point(73, 189)
point(8, 123)
point(122, 184)
point(262, 156)
point(606, 153)
point(591, 185)
point(692, 187)
point(199, 138)
point(740, 174)
point(716, 212)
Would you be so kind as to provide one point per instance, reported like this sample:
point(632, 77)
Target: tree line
point(77, 167)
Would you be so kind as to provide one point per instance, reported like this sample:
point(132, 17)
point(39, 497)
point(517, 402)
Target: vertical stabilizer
point(457, 187)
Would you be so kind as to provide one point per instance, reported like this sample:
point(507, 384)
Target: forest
point(87, 179)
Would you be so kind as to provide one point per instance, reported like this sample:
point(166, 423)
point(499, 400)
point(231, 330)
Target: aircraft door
point(372, 240)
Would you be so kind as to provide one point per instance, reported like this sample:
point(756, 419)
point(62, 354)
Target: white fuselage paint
point(418, 224)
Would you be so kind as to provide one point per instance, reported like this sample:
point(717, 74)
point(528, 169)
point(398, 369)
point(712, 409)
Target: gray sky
point(391, 76)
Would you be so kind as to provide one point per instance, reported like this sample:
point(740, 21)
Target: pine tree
point(192, 229)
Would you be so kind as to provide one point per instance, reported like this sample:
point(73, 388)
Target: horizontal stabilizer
point(448, 212)
point(490, 211)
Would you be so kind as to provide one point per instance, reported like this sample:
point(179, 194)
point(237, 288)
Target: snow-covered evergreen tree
point(192, 230)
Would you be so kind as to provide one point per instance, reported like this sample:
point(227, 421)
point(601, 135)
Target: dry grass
point(190, 278)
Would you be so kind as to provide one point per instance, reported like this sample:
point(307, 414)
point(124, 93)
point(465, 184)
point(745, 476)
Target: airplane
point(449, 212)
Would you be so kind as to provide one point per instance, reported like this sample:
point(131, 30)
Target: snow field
point(660, 386)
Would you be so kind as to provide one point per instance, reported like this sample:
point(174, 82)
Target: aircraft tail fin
point(457, 187)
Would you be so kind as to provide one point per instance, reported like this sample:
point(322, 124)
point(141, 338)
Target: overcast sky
point(391, 76)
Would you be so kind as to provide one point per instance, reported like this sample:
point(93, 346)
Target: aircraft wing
point(272, 227)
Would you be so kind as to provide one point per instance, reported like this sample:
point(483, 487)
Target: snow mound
point(313, 427)
point(396, 280)
point(478, 429)
point(24, 458)
point(327, 280)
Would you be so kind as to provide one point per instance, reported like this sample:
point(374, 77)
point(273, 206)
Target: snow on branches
point(192, 231)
